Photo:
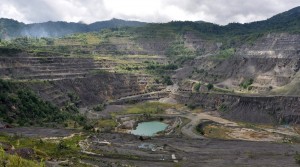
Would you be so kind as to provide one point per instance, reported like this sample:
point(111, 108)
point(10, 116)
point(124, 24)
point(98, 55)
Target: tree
point(167, 80)
point(210, 86)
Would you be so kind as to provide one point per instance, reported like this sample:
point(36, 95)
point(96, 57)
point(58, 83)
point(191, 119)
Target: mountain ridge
point(10, 28)
point(286, 21)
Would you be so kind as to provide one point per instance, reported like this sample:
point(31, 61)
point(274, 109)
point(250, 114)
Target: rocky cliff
point(255, 109)
point(61, 79)
point(273, 63)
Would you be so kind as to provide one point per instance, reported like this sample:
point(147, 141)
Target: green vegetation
point(246, 83)
point(210, 86)
point(99, 107)
point(44, 149)
point(22, 107)
point(11, 28)
point(197, 87)
point(7, 160)
point(182, 59)
point(105, 124)
point(5, 51)
point(160, 68)
point(173, 34)
point(147, 108)
point(73, 97)
point(167, 80)
point(223, 108)
point(216, 131)
point(180, 41)
point(225, 54)
point(99, 71)
point(297, 158)
point(192, 106)
point(129, 67)
point(177, 48)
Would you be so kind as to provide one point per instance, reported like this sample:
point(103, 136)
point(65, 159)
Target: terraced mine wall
point(266, 110)
point(49, 68)
point(265, 71)
point(91, 90)
point(272, 61)
point(63, 80)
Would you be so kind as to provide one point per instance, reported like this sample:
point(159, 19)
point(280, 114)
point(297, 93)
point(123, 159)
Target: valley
point(228, 95)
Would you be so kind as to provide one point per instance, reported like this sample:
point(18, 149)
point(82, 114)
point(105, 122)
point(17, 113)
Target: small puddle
point(149, 128)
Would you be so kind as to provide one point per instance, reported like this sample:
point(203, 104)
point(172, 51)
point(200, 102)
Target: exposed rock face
point(265, 71)
point(26, 67)
point(55, 78)
point(27, 153)
point(91, 90)
point(193, 42)
point(159, 44)
point(270, 110)
point(273, 46)
point(272, 62)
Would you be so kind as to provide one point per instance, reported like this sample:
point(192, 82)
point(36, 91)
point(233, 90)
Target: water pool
point(149, 128)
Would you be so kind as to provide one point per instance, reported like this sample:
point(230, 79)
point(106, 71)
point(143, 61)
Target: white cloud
point(217, 11)
point(9, 11)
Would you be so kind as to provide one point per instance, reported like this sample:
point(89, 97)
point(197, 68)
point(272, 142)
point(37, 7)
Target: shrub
point(197, 87)
point(99, 107)
point(191, 106)
point(167, 80)
point(210, 86)
point(246, 83)
point(222, 108)
point(73, 97)
point(297, 158)
point(88, 127)
point(62, 146)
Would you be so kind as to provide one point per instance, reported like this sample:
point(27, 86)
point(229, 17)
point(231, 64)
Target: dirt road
point(189, 129)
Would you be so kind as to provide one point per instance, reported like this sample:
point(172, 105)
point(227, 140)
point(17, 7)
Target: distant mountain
point(52, 29)
point(114, 23)
point(284, 22)
point(288, 21)
point(10, 28)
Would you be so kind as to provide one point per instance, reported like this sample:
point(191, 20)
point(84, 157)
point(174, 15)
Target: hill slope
point(10, 28)
point(286, 21)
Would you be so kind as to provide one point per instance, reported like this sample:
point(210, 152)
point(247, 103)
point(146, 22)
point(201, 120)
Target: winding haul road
point(195, 118)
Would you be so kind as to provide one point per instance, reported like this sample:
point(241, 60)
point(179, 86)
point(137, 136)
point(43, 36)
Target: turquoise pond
point(149, 128)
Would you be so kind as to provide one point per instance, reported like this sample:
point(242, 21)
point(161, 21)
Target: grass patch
point(64, 148)
point(246, 84)
point(225, 54)
point(148, 108)
point(106, 123)
point(255, 126)
point(217, 132)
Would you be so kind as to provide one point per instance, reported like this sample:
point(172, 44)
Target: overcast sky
point(88, 11)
